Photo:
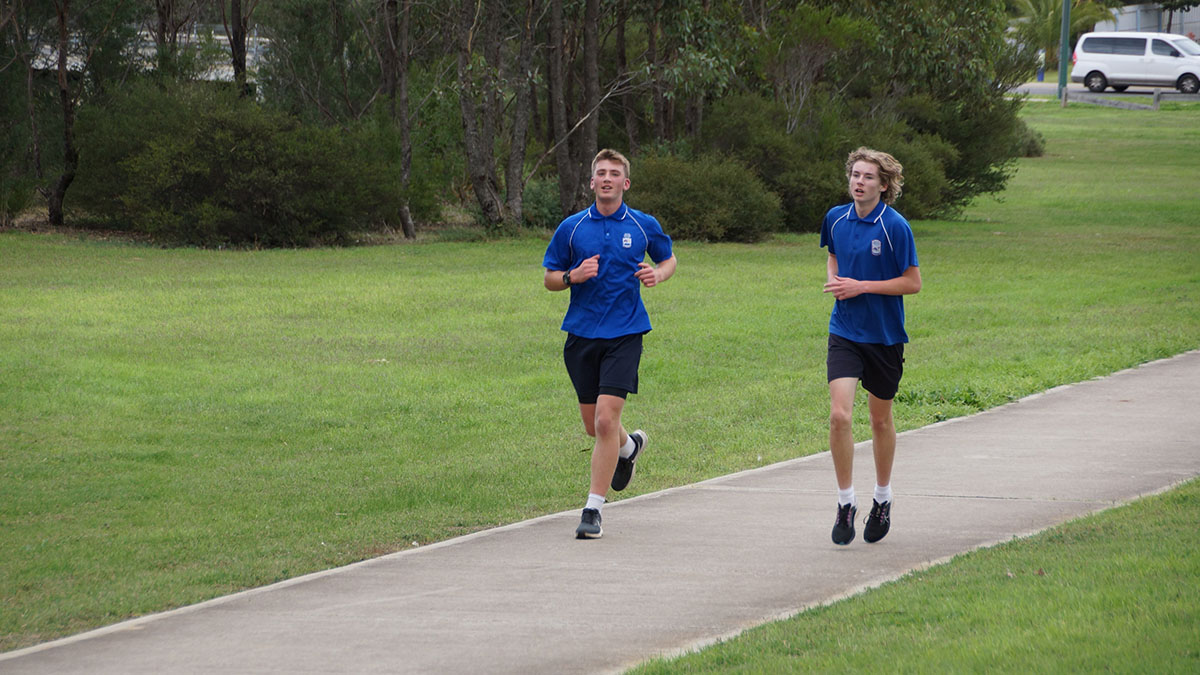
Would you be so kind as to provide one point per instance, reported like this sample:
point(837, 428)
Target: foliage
point(710, 198)
point(944, 69)
point(1030, 141)
point(541, 208)
point(1039, 24)
point(802, 170)
point(200, 166)
point(794, 51)
point(321, 66)
point(17, 178)
point(927, 78)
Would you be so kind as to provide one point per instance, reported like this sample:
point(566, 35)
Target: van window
point(1129, 46)
point(1161, 48)
point(1115, 45)
point(1187, 46)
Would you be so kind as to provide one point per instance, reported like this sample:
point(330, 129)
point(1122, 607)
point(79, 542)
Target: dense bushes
point(710, 198)
point(203, 167)
point(806, 169)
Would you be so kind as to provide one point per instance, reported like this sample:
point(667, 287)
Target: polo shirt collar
point(619, 214)
point(872, 216)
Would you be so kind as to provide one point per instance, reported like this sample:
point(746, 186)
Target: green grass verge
point(180, 424)
point(1112, 592)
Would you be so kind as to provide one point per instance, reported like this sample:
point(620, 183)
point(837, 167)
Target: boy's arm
point(653, 275)
point(586, 270)
point(844, 288)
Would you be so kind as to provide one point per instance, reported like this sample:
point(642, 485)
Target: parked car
point(1121, 59)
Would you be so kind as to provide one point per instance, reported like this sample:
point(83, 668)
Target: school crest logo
point(627, 240)
point(876, 247)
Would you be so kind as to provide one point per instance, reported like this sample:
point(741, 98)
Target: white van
point(1119, 59)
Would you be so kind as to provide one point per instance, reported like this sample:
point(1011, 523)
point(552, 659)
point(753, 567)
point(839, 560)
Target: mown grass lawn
point(179, 424)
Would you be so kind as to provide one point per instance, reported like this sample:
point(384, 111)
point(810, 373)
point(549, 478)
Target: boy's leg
point(841, 447)
point(588, 412)
point(841, 436)
point(883, 438)
point(606, 427)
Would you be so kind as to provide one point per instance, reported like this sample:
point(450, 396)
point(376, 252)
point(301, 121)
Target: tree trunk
point(658, 99)
point(589, 138)
point(477, 145)
point(631, 144)
point(58, 192)
point(514, 182)
point(403, 119)
point(394, 55)
point(236, 30)
point(567, 175)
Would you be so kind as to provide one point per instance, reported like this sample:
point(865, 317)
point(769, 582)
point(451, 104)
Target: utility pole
point(1064, 49)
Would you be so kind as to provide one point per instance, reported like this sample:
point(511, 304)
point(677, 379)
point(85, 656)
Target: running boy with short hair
point(599, 253)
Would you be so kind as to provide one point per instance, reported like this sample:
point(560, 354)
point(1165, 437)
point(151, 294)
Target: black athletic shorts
point(603, 366)
point(879, 367)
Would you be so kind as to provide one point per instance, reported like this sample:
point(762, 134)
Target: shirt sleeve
point(558, 253)
point(827, 235)
point(659, 245)
point(906, 249)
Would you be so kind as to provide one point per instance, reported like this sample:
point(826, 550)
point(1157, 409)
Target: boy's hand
point(844, 288)
point(646, 274)
point(587, 269)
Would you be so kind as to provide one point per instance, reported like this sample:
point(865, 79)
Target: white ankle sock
point(847, 496)
point(627, 449)
point(883, 493)
point(594, 501)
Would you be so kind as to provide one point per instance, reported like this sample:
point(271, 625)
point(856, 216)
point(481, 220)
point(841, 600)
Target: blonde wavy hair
point(891, 172)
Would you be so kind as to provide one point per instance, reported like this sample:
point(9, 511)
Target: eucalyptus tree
point(237, 23)
point(1172, 6)
point(83, 43)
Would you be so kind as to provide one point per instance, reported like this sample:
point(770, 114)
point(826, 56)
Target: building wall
point(1150, 17)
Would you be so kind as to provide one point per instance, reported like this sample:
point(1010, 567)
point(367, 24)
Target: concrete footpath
point(684, 567)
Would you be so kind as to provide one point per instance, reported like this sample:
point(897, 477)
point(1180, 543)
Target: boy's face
point(865, 184)
point(609, 181)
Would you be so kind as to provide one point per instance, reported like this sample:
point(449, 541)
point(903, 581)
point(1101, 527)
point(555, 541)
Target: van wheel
point(1120, 87)
point(1188, 84)
point(1095, 82)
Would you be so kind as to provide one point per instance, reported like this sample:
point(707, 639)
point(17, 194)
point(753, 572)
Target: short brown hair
point(891, 171)
point(612, 155)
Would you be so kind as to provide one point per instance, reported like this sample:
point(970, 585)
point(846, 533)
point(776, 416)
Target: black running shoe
point(878, 522)
point(624, 472)
point(843, 527)
point(589, 525)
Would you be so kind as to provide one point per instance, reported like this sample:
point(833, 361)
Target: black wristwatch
point(567, 277)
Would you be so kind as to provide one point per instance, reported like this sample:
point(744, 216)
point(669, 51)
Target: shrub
point(1030, 141)
point(803, 169)
point(540, 207)
point(200, 166)
point(711, 198)
point(242, 175)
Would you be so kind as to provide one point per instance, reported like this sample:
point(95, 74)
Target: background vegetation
point(183, 423)
point(216, 122)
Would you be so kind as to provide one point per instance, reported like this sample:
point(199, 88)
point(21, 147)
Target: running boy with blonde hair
point(872, 264)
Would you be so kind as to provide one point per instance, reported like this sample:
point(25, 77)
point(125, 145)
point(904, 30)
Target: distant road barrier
point(1160, 95)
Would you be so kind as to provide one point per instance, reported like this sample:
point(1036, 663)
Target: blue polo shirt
point(875, 248)
point(610, 304)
